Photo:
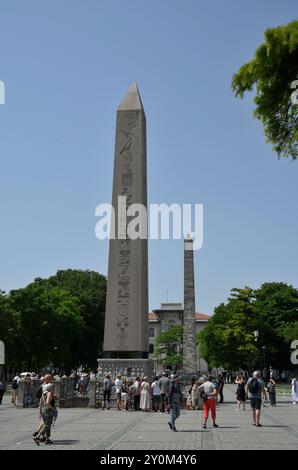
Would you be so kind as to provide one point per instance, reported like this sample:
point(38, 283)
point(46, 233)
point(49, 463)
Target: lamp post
point(256, 335)
point(55, 358)
point(264, 360)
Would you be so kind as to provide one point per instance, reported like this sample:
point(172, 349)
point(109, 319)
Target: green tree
point(43, 323)
point(228, 340)
point(277, 306)
point(169, 346)
point(290, 332)
point(89, 287)
point(8, 331)
point(272, 71)
point(58, 321)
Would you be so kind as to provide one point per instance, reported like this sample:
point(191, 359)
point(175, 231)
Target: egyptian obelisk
point(126, 320)
point(189, 318)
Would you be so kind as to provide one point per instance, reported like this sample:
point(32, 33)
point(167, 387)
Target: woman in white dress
point(294, 391)
point(145, 395)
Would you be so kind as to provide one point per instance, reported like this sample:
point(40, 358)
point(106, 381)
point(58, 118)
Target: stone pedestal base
point(125, 367)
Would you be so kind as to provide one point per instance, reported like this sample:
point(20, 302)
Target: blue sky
point(66, 66)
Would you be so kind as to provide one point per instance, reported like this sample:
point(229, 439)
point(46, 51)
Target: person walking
point(294, 390)
point(255, 391)
point(175, 397)
point(145, 395)
point(125, 395)
point(155, 390)
point(107, 390)
point(2, 389)
point(272, 392)
point(47, 379)
point(208, 391)
point(221, 384)
point(164, 385)
point(14, 389)
point(48, 410)
point(265, 397)
point(240, 392)
point(118, 386)
point(137, 394)
point(194, 394)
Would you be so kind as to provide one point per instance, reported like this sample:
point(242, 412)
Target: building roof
point(202, 316)
point(153, 318)
point(171, 306)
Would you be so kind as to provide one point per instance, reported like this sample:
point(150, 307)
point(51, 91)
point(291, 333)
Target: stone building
point(162, 319)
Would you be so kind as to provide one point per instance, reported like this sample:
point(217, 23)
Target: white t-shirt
point(155, 388)
point(209, 388)
point(118, 385)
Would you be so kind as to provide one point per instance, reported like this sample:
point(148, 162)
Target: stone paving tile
point(96, 429)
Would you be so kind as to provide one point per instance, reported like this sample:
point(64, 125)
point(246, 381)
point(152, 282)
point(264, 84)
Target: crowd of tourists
point(164, 394)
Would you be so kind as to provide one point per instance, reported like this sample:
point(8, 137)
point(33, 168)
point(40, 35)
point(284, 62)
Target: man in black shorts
point(255, 390)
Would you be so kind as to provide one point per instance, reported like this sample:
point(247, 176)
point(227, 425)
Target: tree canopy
point(169, 346)
point(228, 339)
point(54, 322)
point(271, 72)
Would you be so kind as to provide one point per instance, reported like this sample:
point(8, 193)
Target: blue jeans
point(175, 413)
point(272, 398)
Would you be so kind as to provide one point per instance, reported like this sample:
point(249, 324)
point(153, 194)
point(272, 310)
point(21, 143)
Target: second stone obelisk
point(126, 328)
point(189, 318)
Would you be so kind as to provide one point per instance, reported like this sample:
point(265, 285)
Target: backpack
point(254, 386)
point(15, 384)
point(107, 385)
point(39, 393)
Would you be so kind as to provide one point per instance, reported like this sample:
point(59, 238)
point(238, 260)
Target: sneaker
point(36, 440)
point(259, 425)
point(48, 441)
point(215, 425)
point(170, 424)
point(35, 434)
point(174, 429)
point(204, 426)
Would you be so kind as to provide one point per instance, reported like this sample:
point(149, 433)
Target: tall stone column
point(126, 320)
point(189, 319)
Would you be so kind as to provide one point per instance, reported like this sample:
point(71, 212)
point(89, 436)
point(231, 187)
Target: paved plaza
point(84, 428)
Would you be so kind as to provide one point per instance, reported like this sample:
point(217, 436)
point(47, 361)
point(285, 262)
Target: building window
point(151, 332)
point(151, 348)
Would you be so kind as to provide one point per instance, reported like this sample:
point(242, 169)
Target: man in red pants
point(208, 391)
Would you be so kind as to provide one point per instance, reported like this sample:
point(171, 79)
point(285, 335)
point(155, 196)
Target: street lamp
point(256, 335)
point(264, 360)
point(55, 357)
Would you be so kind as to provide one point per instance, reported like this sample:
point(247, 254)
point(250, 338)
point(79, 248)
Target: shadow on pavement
point(65, 442)
point(190, 430)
